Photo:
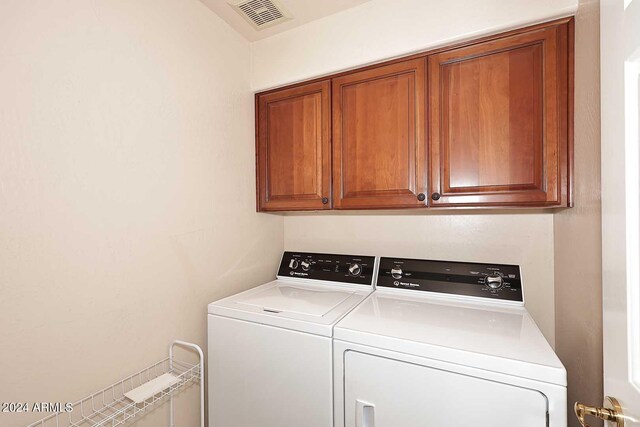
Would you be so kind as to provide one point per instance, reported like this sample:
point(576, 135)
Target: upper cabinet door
point(379, 153)
point(499, 116)
point(294, 148)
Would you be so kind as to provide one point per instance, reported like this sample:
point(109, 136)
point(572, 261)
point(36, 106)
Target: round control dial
point(396, 272)
point(494, 282)
point(355, 269)
point(306, 264)
point(293, 264)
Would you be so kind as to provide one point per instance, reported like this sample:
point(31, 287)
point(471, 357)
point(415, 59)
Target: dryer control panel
point(491, 281)
point(355, 269)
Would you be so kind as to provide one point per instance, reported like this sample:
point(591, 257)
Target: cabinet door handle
point(435, 196)
point(325, 200)
point(364, 414)
point(421, 197)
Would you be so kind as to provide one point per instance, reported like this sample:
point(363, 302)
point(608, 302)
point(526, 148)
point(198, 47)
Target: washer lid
point(295, 304)
point(295, 299)
point(496, 338)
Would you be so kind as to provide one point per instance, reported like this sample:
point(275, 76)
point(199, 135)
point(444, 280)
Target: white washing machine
point(270, 348)
point(444, 344)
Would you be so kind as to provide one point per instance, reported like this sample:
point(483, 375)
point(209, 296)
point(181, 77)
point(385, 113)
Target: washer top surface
point(304, 297)
point(293, 298)
point(485, 333)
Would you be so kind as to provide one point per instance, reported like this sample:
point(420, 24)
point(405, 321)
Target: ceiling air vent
point(261, 13)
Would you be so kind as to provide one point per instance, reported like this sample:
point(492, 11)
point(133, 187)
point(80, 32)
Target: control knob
point(494, 282)
point(396, 272)
point(293, 264)
point(355, 269)
point(306, 264)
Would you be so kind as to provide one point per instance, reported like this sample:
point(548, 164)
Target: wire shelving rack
point(134, 395)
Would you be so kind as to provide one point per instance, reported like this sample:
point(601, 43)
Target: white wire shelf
point(111, 407)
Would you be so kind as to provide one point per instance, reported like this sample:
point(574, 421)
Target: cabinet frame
point(264, 200)
point(553, 187)
point(416, 135)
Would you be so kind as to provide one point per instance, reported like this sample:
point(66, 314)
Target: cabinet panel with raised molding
point(379, 152)
point(498, 121)
point(294, 148)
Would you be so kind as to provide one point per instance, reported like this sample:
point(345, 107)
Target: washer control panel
point(492, 281)
point(354, 269)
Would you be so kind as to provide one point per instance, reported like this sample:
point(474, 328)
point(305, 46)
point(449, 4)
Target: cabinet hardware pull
point(421, 197)
point(435, 196)
point(325, 200)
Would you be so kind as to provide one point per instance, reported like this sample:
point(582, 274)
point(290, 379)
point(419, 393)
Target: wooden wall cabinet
point(486, 123)
point(379, 151)
point(293, 148)
point(498, 121)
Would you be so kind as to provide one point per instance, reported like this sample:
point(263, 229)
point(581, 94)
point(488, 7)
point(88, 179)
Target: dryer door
point(381, 392)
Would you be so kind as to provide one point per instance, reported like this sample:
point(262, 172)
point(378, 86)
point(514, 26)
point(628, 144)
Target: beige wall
point(126, 143)
point(520, 238)
point(577, 231)
point(383, 29)
point(126, 197)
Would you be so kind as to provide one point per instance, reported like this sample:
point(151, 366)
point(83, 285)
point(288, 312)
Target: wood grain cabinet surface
point(294, 148)
point(379, 152)
point(498, 121)
point(486, 123)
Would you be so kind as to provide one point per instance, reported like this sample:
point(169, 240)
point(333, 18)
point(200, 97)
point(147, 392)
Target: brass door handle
point(611, 412)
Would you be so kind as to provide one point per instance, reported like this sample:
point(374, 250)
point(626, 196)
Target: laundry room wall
point(382, 29)
point(127, 201)
point(578, 231)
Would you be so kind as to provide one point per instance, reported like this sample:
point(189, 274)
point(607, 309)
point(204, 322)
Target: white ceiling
point(302, 11)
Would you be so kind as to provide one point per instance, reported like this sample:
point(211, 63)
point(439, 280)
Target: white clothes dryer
point(444, 344)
